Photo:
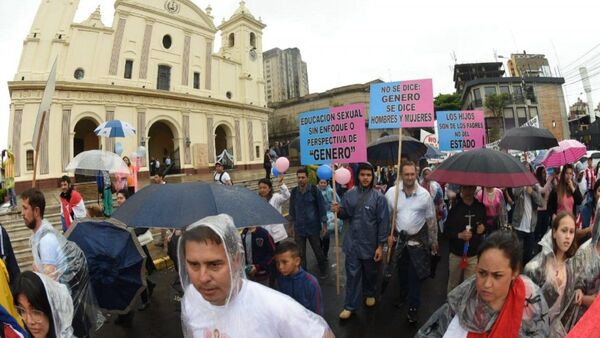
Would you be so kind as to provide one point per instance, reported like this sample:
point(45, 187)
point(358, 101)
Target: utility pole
point(587, 87)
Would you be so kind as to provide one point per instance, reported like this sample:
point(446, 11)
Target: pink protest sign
point(417, 103)
point(333, 135)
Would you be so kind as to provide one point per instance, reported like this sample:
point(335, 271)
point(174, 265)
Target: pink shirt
point(493, 207)
point(565, 204)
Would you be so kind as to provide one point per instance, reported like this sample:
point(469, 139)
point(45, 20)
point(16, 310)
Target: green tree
point(444, 102)
point(495, 103)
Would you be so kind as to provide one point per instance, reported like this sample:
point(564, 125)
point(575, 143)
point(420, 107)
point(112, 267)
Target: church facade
point(155, 68)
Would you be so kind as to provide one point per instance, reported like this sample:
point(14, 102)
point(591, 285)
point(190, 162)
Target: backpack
point(221, 176)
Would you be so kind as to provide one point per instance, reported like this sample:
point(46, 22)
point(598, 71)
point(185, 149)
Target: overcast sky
point(355, 41)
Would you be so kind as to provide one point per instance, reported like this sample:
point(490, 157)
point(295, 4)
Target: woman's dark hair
point(573, 248)
point(268, 183)
point(563, 186)
point(595, 200)
point(540, 174)
point(507, 242)
point(31, 286)
point(124, 192)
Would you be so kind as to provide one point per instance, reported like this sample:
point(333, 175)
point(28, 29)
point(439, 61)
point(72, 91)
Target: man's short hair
point(407, 164)
point(35, 198)
point(94, 210)
point(201, 234)
point(287, 246)
point(65, 178)
point(301, 170)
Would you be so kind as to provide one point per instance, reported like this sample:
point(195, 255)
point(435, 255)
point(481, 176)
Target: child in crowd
point(294, 281)
point(259, 248)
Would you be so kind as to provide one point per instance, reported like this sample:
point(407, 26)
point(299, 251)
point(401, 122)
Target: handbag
point(145, 238)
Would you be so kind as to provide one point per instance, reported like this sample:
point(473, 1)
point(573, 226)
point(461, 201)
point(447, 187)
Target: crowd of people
point(523, 262)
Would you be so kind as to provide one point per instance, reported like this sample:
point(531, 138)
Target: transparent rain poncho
point(251, 309)
point(560, 298)
point(476, 316)
point(587, 263)
point(49, 247)
point(61, 305)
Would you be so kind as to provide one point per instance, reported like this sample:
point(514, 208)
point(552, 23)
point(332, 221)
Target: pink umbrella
point(568, 151)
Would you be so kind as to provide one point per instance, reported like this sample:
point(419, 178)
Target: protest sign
point(461, 130)
point(333, 135)
point(402, 104)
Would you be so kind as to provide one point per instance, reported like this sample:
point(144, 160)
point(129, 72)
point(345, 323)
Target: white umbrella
point(91, 161)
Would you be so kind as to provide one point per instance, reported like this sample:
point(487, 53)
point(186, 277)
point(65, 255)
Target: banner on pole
point(461, 130)
point(45, 103)
point(335, 134)
point(402, 104)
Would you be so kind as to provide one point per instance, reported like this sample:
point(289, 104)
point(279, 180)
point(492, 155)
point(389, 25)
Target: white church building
point(154, 68)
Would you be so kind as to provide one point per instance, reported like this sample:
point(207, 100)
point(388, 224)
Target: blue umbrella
point(539, 158)
point(115, 261)
point(114, 128)
point(178, 205)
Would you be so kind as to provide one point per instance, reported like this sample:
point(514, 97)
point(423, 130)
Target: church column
point(185, 64)
point(265, 135)
point(187, 156)
point(66, 136)
point(109, 141)
point(116, 49)
point(238, 142)
point(16, 139)
point(211, 139)
point(250, 141)
point(141, 131)
point(146, 49)
point(207, 71)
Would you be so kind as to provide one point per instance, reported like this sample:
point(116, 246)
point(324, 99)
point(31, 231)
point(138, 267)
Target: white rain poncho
point(49, 247)
point(587, 263)
point(61, 305)
point(467, 308)
point(560, 298)
point(251, 309)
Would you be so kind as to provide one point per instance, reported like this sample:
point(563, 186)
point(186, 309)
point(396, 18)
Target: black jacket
point(457, 222)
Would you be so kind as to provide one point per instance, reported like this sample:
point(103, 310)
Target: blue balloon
point(118, 148)
point(275, 172)
point(324, 172)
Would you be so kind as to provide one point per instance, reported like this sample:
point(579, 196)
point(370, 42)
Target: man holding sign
point(368, 219)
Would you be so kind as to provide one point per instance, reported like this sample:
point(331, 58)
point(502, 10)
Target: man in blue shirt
point(366, 214)
point(308, 219)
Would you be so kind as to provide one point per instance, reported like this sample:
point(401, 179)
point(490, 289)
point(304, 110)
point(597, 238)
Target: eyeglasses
point(35, 316)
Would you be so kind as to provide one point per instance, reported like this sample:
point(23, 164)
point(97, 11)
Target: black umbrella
point(528, 138)
point(178, 205)
point(384, 150)
point(115, 262)
point(483, 167)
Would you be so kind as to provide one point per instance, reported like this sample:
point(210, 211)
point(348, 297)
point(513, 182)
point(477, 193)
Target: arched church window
point(79, 73)
point(231, 40)
point(166, 41)
point(253, 40)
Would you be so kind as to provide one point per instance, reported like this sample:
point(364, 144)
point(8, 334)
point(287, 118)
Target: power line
point(579, 58)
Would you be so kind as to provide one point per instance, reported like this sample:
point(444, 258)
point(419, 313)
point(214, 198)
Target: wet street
point(162, 317)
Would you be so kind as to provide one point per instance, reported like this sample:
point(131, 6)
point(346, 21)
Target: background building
point(154, 68)
point(285, 74)
point(527, 97)
point(528, 65)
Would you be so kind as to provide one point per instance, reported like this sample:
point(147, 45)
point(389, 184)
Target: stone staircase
point(19, 234)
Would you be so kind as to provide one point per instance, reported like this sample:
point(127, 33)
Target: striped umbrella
point(568, 151)
point(115, 128)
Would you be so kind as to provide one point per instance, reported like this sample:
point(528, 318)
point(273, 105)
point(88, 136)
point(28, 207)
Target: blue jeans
point(359, 272)
point(13, 197)
point(407, 276)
